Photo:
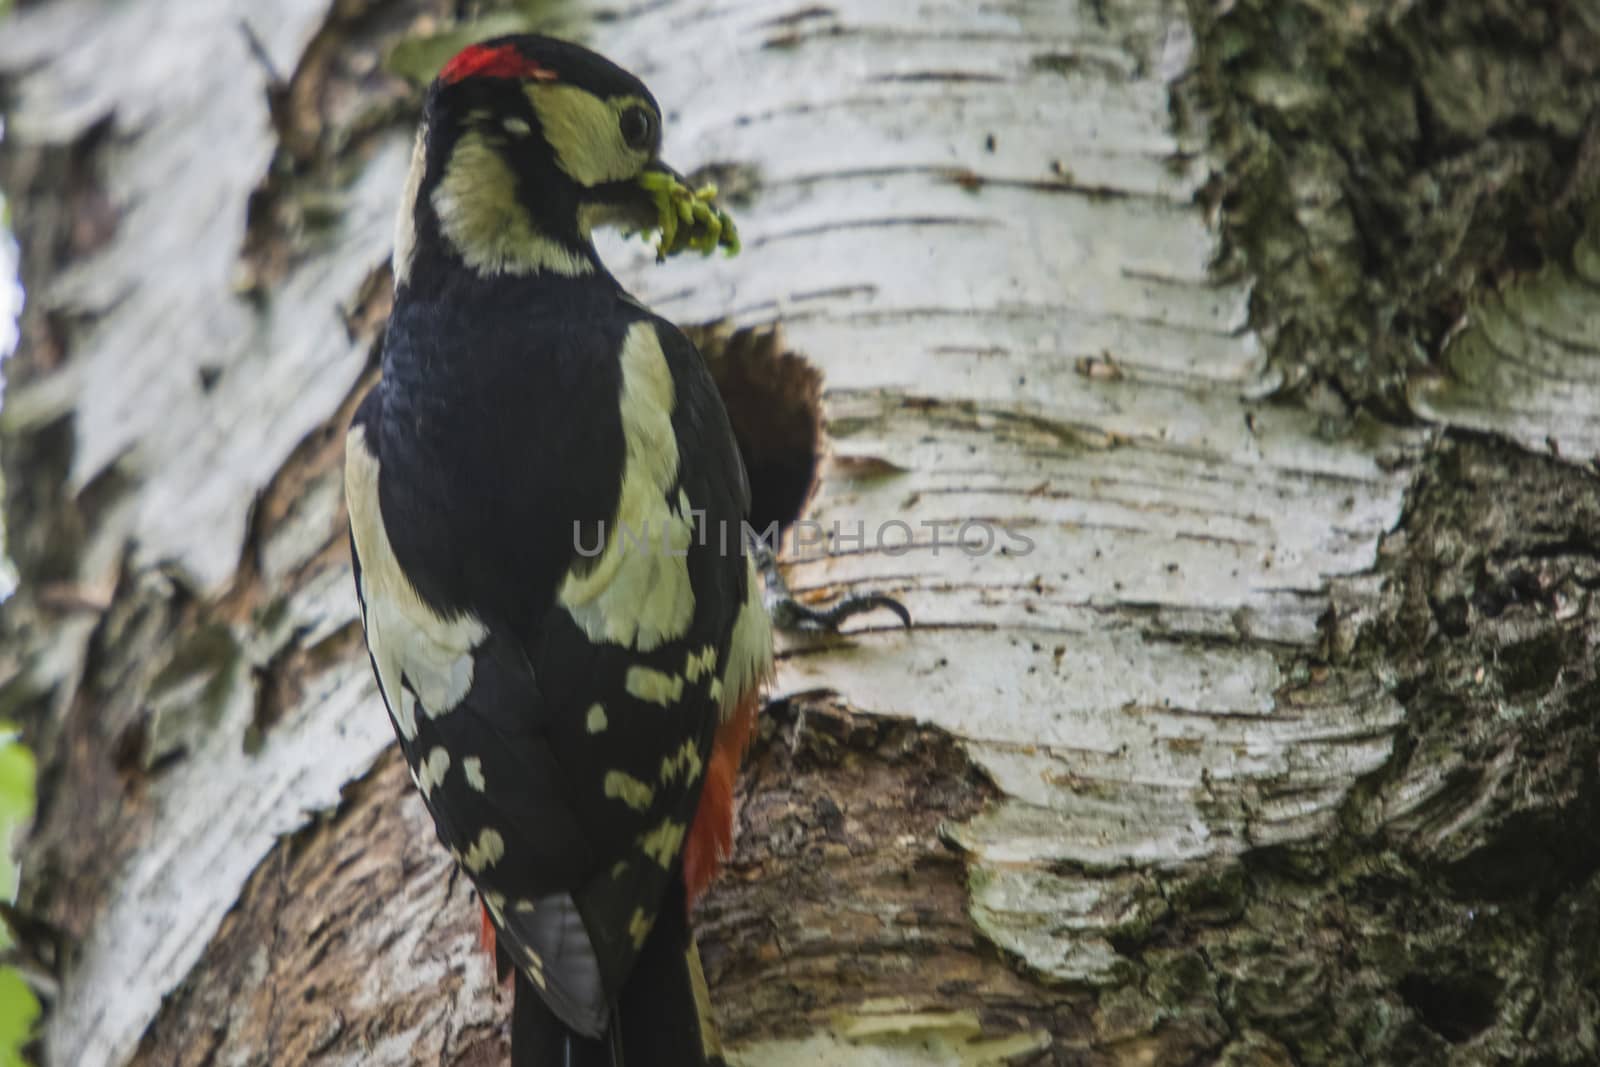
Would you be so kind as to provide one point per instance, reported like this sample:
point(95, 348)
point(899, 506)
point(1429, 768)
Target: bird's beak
point(660, 201)
point(635, 205)
point(657, 167)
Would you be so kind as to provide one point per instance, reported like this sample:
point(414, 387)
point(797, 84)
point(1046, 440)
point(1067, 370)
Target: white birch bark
point(984, 225)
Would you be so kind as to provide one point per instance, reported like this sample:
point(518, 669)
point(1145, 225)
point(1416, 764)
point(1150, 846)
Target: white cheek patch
point(583, 132)
point(637, 592)
point(480, 215)
point(406, 637)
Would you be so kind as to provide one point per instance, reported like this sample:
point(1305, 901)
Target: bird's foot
point(790, 614)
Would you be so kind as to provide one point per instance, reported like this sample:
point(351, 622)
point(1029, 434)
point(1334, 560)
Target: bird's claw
point(787, 613)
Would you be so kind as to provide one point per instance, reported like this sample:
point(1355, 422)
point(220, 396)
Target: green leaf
point(19, 1010)
point(17, 772)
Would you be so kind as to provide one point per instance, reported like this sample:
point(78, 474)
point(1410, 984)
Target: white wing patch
point(653, 686)
point(637, 592)
point(750, 649)
point(662, 843)
point(620, 785)
point(405, 712)
point(703, 662)
point(406, 637)
point(486, 852)
point(433, 770)
point(685, 762)
point(639, 927)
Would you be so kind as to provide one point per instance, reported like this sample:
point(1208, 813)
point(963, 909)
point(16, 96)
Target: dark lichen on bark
point(1384, 161)
point(1452, 917)
point(1383, 166)
point(1492, 637)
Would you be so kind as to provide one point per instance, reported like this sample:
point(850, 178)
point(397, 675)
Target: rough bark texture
point(1390, 165)
point(1261, 336)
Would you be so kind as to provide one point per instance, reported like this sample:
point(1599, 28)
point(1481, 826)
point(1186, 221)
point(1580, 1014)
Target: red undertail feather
point(711, 838)
point(493, 61)
point(502, 970)
point(486, 931)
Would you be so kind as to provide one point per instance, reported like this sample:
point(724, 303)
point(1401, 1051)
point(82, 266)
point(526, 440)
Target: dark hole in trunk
point(1456, 1007)
point(774, 400)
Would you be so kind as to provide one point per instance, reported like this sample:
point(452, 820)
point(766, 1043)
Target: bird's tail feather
point(662, 1018)
point(539, 1039)
point(664, 1009)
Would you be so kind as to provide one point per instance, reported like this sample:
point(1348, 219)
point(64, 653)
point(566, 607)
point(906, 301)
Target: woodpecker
point(545, 499)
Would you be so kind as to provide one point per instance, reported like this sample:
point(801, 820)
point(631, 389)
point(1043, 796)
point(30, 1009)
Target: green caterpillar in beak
point(688, 218)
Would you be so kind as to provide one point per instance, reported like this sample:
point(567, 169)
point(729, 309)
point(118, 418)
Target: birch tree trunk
point(1248, 349)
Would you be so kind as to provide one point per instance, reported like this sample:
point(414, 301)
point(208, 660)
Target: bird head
point(527, 144)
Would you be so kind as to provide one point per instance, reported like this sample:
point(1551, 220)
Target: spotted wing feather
point(562, 771)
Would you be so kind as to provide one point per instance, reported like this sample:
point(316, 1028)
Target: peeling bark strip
point(216, 702)
point(1276, 744)
point(1526, 363)
point(354, 942)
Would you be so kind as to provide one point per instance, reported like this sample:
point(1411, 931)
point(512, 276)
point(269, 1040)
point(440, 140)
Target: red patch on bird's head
point(493, 61)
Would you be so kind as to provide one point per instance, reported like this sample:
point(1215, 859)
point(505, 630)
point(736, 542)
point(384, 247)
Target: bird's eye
point(638, 127)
